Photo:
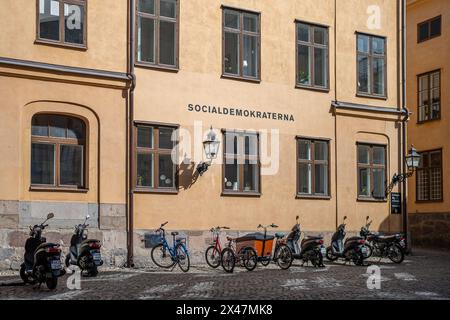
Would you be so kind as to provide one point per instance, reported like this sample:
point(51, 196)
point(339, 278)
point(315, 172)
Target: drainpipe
point(404, 129)
point(130, 131)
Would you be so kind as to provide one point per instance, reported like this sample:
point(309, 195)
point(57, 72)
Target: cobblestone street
point(423, 275)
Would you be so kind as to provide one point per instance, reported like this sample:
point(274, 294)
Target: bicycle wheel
point(183, 258)
point(212, 257)
point(283, 257)
point(228, 260)
point(250, 258)
point(161, 257)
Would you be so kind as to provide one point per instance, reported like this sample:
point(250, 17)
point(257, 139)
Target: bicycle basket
point(152, 239)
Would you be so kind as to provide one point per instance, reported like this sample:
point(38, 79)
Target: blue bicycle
point(165, 256)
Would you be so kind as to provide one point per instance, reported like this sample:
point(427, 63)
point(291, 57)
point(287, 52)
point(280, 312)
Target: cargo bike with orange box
point(256, 247)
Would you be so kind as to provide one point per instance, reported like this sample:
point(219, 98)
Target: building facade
point(428, 36)
point(105, 112)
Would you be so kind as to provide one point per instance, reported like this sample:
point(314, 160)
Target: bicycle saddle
point(174, 233)
point(230, 238)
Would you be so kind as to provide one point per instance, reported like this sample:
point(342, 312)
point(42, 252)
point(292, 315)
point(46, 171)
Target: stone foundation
point(430, 229)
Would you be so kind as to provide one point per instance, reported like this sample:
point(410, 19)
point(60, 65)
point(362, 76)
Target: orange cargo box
point(256, 241)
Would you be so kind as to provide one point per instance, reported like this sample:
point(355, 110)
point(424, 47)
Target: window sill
point(239, 78)
point(429, 201)
point(428, 121)
point(159, 67)
point(241, 194)
point(57, 189)
point(318, 89)
point(60, 44)
point(371, 96)
point(312, 197)
point(385, 200)
point(155, 191)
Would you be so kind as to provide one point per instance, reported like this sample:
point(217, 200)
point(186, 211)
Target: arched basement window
point(58, 151)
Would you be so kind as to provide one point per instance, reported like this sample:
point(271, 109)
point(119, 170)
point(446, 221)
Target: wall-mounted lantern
point(211, 148)
point(412, 163)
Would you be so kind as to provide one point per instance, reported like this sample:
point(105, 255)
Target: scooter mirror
point(50, 215)
point(296, 218)
point(88, 217)
point(367, 218)
point(345, 218)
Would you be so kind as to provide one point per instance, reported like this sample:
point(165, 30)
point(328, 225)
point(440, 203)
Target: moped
point(84, 252)
point(353, 249)
point(42, 259)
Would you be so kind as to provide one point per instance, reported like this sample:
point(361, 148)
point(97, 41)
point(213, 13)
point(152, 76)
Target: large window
point(312, 56)
point(429, 177)
point(241, 163)
point(371, 171)
point(58, 151)
point(241, 44)
point(157, 32)
point(429, 29)
point(429, 106)
point(312, 167)
point(371, 65)
point(155, 152)
point(62, 22)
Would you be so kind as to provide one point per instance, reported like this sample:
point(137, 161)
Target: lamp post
point(211, 148)
point(412, 162)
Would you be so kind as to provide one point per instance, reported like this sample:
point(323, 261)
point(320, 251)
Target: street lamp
point(211, 147)
point(412, 163)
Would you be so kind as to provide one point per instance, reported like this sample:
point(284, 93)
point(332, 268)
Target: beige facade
point(429, 216)
point(102, 99)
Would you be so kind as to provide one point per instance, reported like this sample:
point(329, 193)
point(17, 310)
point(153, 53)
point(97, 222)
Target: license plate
point(402, 243)
point(55, 264)
point(96, 256)
point(363, 250)
point(323, 251)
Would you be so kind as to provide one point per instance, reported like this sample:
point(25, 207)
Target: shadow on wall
point(187, 174)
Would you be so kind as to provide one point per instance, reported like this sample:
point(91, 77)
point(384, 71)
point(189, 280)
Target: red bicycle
point(213, 252)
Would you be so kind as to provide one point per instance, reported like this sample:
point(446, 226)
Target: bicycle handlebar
point(273, 225)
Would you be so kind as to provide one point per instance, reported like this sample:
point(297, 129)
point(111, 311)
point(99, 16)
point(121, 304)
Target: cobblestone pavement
point(423, 275)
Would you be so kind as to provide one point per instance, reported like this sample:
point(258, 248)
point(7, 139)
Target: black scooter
point(310, 249)
point(42, 260)
point(384, 246)
point(84, 252)
point(353, 249)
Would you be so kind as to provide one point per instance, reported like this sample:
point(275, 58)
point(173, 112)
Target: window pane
point(304, 178)
point(379, 155)
point(231, 143)
point(250, 63)
point(145, 137)
point(49, 19)
point(424, 31)
point(423, 83)
point(320, 35)
point(379, 178)
point(436, 80)
point(144, 176)
point(435, 158)
point(321, 151)
point(378, 45)
point(423, 185)
point(364, 182)
point(304, 58)
point(71, 165)
point(363, 74)
point(303, 32)
point(42, 163)
point(167, 42)
point(435, 184)
point(231, 175)
point(304, 150)
point(363, 154)
point(146, 40)
point(320, 67)
point(321, 179)
point(250, 176)
point(73, 23)
point(250, 22)
point(435, 27)
point(39, 126)
point(165, 138)
point(75, 129)
point(166, 171)
point(168, 8)
point(147, 6)
point(58, 126)
point(378, 76)
point(251, 145)
point(231, 53)
point(232, 19)
point(363, 43)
